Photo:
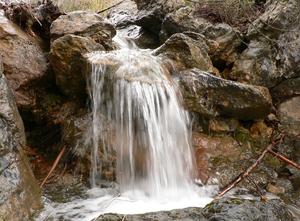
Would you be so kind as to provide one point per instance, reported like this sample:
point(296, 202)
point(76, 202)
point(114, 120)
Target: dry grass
point(238, 13)
point(73, 5)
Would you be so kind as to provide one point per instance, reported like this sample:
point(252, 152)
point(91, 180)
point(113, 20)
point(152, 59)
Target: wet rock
point(19, 192)
point(86, 24)
point(273, 52)
point(123, 14)
point(286, 89)
point(222, 210)
point(186, 19)
point(24, 62)
point(289, 115)
point(151, 13)
point(212, 96)
point(68, 62)
point(187, 52)
point(142, 38)
point(247, 210)
point(189, 214)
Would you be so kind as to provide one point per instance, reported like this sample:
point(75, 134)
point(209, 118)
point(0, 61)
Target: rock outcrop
point(24, 62)
point(19, 192)
point(273, 52)
point(212, 96)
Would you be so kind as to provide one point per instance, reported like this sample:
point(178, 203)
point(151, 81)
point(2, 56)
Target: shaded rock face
point(212, 96)
point(227, 40)
point(286, 89)
point(187, 52)
point(68, 62)
point(223, 210)
point(273, 53)
point(289, 114)
point(152, 12)
point(23, 60)
point(86, 24)
point(19, 192)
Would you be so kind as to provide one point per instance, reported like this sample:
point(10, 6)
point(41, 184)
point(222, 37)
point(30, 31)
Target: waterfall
point(149, 128)
point(138, 120)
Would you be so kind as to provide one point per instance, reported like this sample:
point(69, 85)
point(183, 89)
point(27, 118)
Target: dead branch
point(246, 173)
point(110, 7)
point(285, 159)
point(54, 165)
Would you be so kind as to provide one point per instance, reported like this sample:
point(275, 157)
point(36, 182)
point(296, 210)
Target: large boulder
point(86, 24)
point(227, 209)
point(274, 50)
point(152, 12)
point(186, 19)
point(212, 96)
point(19, 192)
point(24, 62)
point(68, 62)
point(187, 52)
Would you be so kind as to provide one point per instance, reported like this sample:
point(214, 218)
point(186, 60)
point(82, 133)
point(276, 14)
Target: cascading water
point(130, 88)
point(136, 116)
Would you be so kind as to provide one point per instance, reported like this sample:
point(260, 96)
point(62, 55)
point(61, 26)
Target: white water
point(137, 116)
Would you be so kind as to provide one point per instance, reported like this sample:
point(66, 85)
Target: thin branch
point(285, 159)
point(54, 165)
point(247, 172)
point(110, 7)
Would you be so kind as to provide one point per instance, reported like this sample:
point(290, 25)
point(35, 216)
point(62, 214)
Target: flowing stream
point(136, 116)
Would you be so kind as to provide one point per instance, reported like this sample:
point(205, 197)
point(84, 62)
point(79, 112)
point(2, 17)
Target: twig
point(110, 7)
point(54, 165)
point(256, 187)
point(285, 159)
point(246, 173)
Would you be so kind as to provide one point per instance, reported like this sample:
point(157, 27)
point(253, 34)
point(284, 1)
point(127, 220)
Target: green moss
point(273, 162)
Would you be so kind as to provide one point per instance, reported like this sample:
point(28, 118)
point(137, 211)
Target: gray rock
point(213, 96)
point(19, 192)
point(227, 39)
point(289, 115)
point(68, 62)
point(152, 12)
point(189, 214)
point(247, 210)
point(222, 210)
point(24, 62)
point(187, 52)
point(86, 24)
point(274, 51)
